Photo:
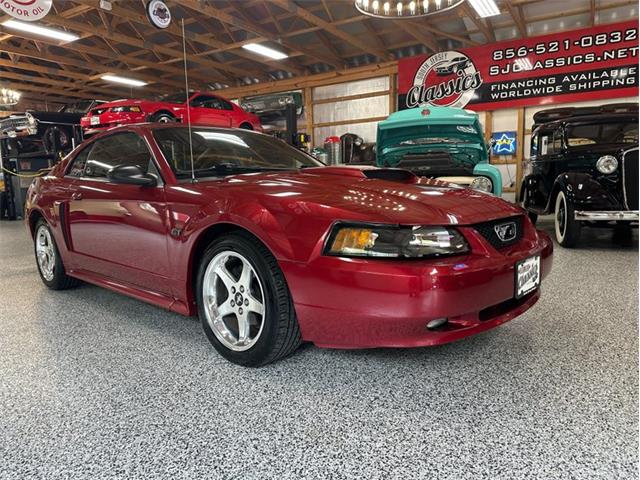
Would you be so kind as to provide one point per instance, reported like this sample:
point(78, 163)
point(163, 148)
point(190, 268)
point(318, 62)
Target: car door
point(119, 231)
point(208, 110)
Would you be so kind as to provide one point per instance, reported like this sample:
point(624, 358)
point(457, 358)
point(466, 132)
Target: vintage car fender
point(487, 170)
point(582, 190)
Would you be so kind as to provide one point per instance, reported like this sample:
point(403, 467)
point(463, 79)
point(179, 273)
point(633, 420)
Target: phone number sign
point(587, 64)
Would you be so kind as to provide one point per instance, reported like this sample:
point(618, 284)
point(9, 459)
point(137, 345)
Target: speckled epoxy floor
point(95, 385)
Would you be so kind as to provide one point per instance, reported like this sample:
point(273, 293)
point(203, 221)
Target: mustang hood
point(369, 195)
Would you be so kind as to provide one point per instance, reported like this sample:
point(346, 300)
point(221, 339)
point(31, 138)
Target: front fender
point(583, 191)
point(487, 170)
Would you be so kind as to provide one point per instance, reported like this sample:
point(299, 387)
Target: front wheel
point(566, 226)
point(244, 302)
point(48, 259)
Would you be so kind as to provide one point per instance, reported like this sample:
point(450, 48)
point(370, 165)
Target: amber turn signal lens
point(353, 239)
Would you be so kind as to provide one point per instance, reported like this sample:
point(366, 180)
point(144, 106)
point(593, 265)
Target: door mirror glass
point(131, 175)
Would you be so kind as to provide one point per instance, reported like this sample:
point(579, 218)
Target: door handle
point(76, 196)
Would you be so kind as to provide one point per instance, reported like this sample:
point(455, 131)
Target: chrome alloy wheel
point(233, 300)
point(45, 253)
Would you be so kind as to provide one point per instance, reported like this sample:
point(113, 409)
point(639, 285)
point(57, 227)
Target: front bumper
point(607, 216)
point(356, 303)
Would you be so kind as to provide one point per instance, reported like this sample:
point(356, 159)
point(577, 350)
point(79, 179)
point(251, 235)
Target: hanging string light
point(9, 97)
point(399, 10)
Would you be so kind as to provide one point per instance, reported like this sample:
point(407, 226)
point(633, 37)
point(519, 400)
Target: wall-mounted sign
point(504, 143)
point(587, 64)
point(158, 13)
point(28, 10)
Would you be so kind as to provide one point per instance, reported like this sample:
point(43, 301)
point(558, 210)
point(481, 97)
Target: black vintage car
point(584, 169)
point(32, 141)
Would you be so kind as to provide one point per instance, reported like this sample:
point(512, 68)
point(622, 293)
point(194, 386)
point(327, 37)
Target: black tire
point(280, 334)
point(162, 117)
point(246, 126)
point(567, 228)
point(59, 280)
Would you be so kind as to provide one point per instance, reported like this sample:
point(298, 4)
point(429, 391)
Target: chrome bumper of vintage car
point(624, 216)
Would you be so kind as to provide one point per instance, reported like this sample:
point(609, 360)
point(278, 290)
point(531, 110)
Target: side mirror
point(131, 175)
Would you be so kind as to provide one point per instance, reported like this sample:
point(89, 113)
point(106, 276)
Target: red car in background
point(205, 109)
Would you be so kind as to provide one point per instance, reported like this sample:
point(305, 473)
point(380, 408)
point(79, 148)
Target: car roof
point(596, 118)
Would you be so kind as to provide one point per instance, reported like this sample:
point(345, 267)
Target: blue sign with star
point(504, 143)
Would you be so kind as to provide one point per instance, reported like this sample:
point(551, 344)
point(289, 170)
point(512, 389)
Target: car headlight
point(395, 242)
point(31, 119)
point(483, 184)
point(607, 164)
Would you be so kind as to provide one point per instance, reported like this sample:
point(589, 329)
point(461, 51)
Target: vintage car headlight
point(607, 164)
point(31, 119)
point(483, 184)
point(395, 242)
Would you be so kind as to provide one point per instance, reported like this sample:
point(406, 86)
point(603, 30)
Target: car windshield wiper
point(231, 169)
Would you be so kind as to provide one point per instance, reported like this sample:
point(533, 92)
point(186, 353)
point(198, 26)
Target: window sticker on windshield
point(544, 141)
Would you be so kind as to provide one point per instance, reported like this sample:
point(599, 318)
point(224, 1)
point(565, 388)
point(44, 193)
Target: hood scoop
point(388, 174)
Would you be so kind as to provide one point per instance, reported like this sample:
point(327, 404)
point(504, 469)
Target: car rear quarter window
point(119, 149)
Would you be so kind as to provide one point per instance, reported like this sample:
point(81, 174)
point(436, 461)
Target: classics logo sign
point(447, 79)
point(29, 10)
point(158, 13)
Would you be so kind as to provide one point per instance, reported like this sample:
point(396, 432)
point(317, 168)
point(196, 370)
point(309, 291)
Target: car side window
point(119, 149)
point(545, 144)
point(77, 167)
point(201, 101)
point(219, 104)
point(557, 141)
point(534, 145)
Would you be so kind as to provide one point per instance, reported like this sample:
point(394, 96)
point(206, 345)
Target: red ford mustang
point(270, 248)
point(206, 109)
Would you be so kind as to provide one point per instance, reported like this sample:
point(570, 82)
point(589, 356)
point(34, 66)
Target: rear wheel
point(163, 117)
point(566, 226)
point(49, 261)
point(244, 303)
point(246, 126)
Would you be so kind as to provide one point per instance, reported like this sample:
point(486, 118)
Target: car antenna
point(186, 88)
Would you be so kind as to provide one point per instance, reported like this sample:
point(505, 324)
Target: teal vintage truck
point(439, 142)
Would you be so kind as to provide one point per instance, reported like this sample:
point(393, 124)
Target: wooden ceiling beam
point(207, 40)
point(65, 60)
point(44, 90)
point(516, 14)
point(416, 31)
point(91, 91)
point(480, 23)
point(138, 43)
point(252, 27)
point(309, 17)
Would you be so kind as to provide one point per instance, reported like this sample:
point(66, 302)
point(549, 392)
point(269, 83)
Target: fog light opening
point(437, 323)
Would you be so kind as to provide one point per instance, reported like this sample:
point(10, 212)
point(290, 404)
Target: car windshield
point(78, 107)
point(227, 152)
point(602, 133)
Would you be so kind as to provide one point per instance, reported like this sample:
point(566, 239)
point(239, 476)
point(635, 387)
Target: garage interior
point(94, 384)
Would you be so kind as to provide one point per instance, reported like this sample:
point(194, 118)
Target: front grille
point(488, 231)
point(630, 178)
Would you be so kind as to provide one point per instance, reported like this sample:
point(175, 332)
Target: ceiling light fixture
point(485, 8)
point(42, 31)
point(266, 51)
point(9, 97)
point(124, 80)
point(405, 10)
